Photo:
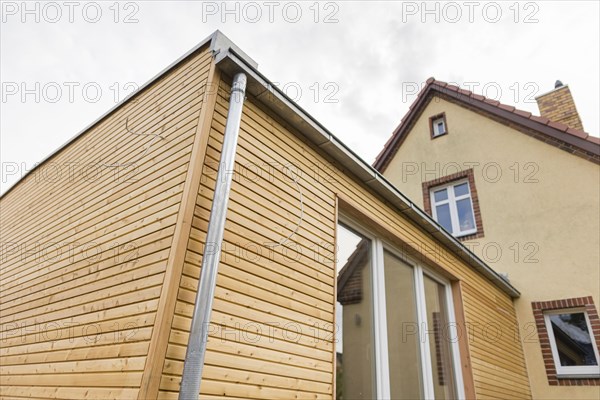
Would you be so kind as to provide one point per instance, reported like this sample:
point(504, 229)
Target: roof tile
point(506, 107)
point(541, 120)
point(558, 125)
point(577, 132)
point(522, 113)
point(492, 101)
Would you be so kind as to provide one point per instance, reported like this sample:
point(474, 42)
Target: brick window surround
point(433, 118)
point(466, 174)
point(585, 303)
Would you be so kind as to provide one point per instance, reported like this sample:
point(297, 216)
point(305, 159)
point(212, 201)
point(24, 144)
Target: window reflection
point(439, 339)
point(403, 329)
point(573, 340)
point(414, 312)
point(444, 218)
point(354, 314)
point(465, 214)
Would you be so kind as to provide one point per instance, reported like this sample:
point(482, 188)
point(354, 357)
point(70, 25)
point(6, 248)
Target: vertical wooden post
point(168, 298)
point(463, 342)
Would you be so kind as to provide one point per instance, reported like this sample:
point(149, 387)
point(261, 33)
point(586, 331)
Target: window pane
point(440, 128)
point(440, 195)
point(461, 190)
point(403, 329)
point(439, 339)
point(443, 216)
point(572, 338)
point(354, 312)
point(465, 214)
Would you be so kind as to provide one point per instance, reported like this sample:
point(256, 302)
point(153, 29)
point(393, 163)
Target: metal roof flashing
point(220, 44)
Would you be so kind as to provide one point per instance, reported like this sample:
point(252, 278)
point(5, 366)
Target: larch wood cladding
point(86, 243)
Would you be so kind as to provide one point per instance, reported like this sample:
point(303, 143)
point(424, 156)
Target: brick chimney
point(558, 106)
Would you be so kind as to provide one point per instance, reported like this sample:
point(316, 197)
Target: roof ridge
point(574, 141)
point(543, 120)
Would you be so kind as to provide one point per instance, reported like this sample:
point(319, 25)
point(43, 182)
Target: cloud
point(370, 53)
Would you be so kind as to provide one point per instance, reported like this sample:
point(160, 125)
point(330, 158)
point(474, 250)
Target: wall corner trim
point(168, 298)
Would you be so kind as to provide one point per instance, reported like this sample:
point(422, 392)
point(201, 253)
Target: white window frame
point(382, 372)
point(435, 124)
point(452, 200)
point(589, 371)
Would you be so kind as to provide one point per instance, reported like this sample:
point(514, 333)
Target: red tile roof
point(558, 134)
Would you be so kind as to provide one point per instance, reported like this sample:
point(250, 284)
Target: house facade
point(330, 282)
point(522, 192)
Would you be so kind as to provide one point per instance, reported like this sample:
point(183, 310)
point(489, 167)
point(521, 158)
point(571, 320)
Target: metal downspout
point(194, 357)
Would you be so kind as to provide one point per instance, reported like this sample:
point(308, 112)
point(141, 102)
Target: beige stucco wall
point(533, 197)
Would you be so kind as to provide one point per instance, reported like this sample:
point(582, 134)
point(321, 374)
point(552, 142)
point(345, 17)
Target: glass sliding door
point(395, 324)
point(402, 329)
point(355, 370)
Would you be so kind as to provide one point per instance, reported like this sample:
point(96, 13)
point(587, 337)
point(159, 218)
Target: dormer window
point(438, 126)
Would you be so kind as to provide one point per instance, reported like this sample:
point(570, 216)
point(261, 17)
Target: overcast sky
point(355, 66)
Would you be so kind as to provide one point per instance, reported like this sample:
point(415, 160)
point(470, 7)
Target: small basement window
point(438, 126)
point(573, 346)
